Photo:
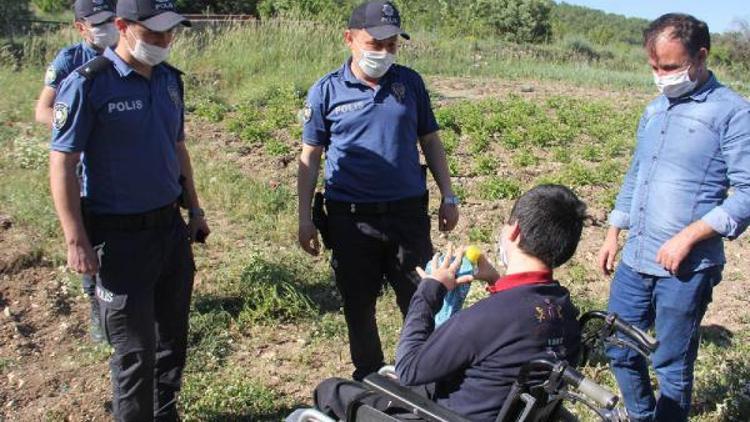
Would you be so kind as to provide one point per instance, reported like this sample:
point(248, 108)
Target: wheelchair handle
point(636, 334)
point(572, 377)
point(599, 394)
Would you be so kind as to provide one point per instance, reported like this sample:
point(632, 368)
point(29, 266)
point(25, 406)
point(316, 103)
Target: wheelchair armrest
point(420, 406)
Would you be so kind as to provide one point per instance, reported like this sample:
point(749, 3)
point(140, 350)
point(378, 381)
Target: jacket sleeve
point(426, 355)
point(620, 216)
point(732, 217)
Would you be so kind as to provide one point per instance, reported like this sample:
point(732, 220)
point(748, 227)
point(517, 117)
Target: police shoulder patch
point(174, 94)
point(60, 115)
point(307, 113)
point(50, 75)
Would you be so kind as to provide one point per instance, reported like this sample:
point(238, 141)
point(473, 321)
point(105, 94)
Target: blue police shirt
point(689, 153)
point(127, 127)
point(370, 135)
point(67, 60)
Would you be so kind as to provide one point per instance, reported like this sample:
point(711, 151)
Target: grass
point(255, 285)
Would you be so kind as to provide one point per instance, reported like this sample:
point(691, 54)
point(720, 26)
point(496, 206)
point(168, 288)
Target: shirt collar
point(700, 94)
point(89, 48)
point(521, 279)
point(122, 67)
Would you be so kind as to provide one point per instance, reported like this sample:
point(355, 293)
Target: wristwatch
point(451, 200)
point(196, 212)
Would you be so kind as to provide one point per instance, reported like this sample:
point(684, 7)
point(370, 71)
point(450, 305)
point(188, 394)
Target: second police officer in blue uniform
point(369, 116)
point(94, 21)
point(124, 112)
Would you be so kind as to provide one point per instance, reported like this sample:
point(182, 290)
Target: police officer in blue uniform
point(124, 113)
point(369, 117)
point(94, 21)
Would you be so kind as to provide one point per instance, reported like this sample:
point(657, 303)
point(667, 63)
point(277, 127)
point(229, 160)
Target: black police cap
point(94, 12)
point(380, 19)
point(156, 15)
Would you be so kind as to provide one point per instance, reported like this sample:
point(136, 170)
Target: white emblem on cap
point(50, 75)
point(164, 5)
point(60, 115)
point(388, 10)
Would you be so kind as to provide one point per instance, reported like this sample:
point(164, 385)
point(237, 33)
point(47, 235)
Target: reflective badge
point(307, 113)
point(174, 95)
point(104, 294)
point(60, 115)
point(399, 91)
point(389, 15)
point(388, 10)
point(50, 75)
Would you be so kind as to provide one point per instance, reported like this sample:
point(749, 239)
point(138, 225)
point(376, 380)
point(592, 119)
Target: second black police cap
point(379, 18)
point(94, 12)
point(156, 15)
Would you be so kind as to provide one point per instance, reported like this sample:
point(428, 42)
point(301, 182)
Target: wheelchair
point(537, 395)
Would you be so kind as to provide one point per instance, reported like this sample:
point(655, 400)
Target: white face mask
point(375, 63)
point(676, 84)
point(148, 54)
point(104, 35)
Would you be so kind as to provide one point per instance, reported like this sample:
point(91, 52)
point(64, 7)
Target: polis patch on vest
point(123, 106)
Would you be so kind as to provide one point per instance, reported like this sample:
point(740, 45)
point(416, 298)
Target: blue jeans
point(674, 306)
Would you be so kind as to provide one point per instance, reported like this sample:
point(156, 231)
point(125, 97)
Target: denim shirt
point(689, 152)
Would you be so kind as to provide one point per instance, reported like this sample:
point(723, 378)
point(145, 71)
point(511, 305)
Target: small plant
point(450, 141)
point(271, 294)
point(277, 148)
point(231, 394)
point(486, 165)
point(480, 234)
point(497, 187)
point(524, 158)
point(30, 153)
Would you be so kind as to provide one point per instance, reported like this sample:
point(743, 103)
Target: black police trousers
point(144, 286)
point(368, 250)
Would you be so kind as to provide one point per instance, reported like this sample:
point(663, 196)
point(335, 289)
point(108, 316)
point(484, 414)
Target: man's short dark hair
point(550, 218)
point(693, 33)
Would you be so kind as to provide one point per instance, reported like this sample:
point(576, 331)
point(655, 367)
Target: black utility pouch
point(320, 218)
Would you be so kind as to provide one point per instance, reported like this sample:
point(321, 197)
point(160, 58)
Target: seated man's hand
point(485, 270)
point(445, 273)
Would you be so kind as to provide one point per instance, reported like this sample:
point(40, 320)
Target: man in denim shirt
point(693, 145)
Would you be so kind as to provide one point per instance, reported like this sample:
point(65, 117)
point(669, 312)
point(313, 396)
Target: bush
point(332, 11)
point(51, 6)
point(249, 7)
point(13, 12)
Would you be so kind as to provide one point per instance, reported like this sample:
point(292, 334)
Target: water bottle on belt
point(454, 300)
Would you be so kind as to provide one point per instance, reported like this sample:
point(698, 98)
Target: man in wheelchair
point(469, 363)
